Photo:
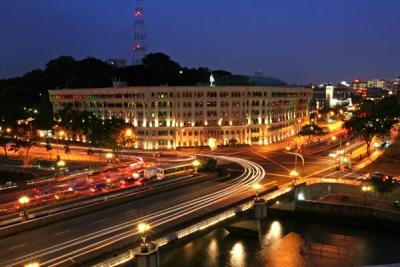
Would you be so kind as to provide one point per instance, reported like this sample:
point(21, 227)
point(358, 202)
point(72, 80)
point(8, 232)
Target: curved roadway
point(65, 243)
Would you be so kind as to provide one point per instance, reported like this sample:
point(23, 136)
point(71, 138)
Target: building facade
point(170, 117)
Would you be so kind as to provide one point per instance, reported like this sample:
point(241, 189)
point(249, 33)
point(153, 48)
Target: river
point(285, 243)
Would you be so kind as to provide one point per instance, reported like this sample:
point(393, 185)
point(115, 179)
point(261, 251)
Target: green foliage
point(382, 185)
point(222, 171)
point(208, 165)
point(48, 145)
point(374, 119)
point(311, 130)
point(31, 90)
point(5, 141)
point(25, 143)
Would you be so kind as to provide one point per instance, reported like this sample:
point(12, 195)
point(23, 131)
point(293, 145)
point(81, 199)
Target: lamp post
point(109, 157)
point(58, 134)
point(143, 228)
point(196, 165)
point(32, 264)
point(23, 201)
point(365, 189)
point(257, 188)
point(293, 174)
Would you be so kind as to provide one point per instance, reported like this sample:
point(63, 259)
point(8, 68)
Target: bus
point(183, 169)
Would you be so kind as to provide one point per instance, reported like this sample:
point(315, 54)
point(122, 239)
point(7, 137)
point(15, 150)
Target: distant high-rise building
point(139, 46)
point(377, 83)
point(117, 62)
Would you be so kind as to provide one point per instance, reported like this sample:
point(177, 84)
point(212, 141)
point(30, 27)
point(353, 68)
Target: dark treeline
point(30, 90)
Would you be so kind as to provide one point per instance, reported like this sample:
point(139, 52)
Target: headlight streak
point(175, 209)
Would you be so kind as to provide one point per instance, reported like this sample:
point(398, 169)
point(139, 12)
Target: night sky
point(298, 41)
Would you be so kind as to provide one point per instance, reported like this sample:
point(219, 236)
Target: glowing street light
point(365, 189)
point(143, 228)
point(109, 157)
point(257, 188)
point(32, 264)
point(196, 165)
point(23, 201)
point(333, 138)
point(129, 132)
point(294, 174)
point(8, 130)
point(61, 163)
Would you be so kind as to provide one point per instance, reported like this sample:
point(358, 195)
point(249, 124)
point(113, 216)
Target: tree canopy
point(374, 119)
point(31, 90)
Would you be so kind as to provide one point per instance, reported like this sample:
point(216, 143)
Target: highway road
point(68, 242)
point(63, 243)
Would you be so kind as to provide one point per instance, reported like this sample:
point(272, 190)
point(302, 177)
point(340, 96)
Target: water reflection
point(274, 233)
point(238, 255)
point(288, 243)
point(212, 252)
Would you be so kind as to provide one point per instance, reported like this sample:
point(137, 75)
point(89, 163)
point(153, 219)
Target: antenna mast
point(139, 45)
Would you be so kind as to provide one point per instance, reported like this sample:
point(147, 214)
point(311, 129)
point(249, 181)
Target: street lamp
point(109, 157)
point(23, 201)
point(365, 189)
point(8, 130)
point(143, 228)
point(294, 174)
point(196, 165)
point(257, 188)
point(61, 163)
point(32, 264)
point(58, 134)
point(128, 132)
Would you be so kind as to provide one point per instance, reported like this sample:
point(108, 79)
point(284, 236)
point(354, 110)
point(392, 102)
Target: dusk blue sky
point(298, 41)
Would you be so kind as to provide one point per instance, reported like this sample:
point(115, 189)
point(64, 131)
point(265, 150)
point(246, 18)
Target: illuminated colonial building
point(170, 117)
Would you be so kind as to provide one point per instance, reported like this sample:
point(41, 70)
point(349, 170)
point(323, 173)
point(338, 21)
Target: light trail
point(168, 211)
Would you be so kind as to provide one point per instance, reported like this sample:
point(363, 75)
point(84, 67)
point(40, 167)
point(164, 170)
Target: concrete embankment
point(106, 202)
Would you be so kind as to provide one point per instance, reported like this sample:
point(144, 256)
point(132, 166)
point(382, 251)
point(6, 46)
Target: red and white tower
point(139, 37)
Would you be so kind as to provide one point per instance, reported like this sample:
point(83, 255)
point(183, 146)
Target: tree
point(373, 119)
point(67, 149)
point(25, 143)
point(312, 130)
point(380, 185)
point(48, 147)
point(5, 140)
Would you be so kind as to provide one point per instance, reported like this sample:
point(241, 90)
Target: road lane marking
point(276, 163)
point(100, 221)
point(63, 232)
point(17, 246)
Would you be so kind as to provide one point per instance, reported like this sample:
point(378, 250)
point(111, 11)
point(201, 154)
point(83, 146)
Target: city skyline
point(312, 41)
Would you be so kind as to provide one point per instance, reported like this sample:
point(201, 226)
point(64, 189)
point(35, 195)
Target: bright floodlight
point(294, 173)
point(143, 227)
point(61, 133)
point(32, 264)
point(333, 138)
point(109, 156)
point(24, 200)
